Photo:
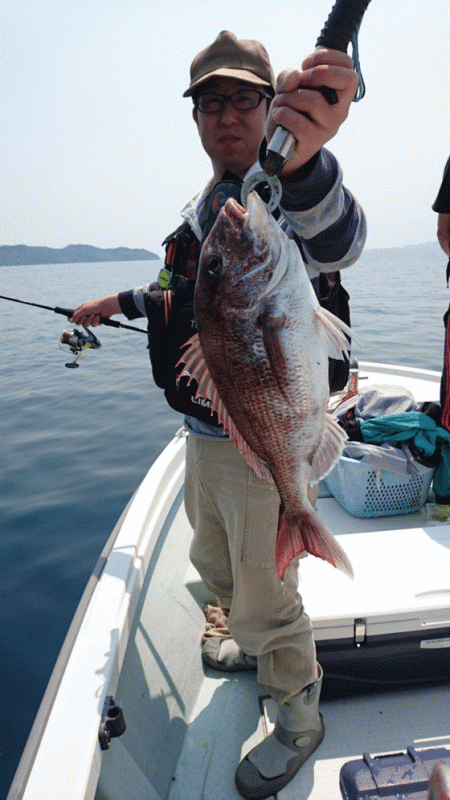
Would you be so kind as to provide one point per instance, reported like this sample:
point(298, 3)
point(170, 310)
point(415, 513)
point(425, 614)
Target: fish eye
point(214, 265)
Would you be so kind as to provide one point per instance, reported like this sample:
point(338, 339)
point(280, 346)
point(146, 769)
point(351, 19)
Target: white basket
point(365, 491)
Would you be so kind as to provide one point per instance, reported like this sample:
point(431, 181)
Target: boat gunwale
point(19, 784)
point(29, 753)
point(409, 372)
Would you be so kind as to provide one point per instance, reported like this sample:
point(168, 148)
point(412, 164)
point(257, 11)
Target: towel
point(427, 437)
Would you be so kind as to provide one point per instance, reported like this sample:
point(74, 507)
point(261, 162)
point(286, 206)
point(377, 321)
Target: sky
point(99, 146)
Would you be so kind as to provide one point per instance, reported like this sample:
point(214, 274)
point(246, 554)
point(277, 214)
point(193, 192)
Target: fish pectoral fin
point(195, 368)
point(335, 333)
point(329, 450)
point(272, 324)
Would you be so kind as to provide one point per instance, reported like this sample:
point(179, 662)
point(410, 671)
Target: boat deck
point(375, 725)
point(191, 725)
point(136, 637)
point(225, 721)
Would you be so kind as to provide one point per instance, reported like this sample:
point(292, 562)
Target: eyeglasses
point(243, 100)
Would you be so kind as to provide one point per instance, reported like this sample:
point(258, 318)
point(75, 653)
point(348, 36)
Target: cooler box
point(365, 491)
point(390, 626)
point(392, 776)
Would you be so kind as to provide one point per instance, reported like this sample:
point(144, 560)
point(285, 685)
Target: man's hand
point(311, 119)
point(88, 314)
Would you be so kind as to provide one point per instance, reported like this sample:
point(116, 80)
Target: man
point(233, 513)
point(442, 206)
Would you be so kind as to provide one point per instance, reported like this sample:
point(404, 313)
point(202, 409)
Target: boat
point(131, 712)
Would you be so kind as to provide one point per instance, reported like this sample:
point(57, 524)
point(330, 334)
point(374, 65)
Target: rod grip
point(67, 312)
point(112, 323)
point(342, 23)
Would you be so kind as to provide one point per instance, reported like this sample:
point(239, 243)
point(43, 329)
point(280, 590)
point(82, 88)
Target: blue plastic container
point(366, 492)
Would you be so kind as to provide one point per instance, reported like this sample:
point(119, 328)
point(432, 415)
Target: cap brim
point(239, 74)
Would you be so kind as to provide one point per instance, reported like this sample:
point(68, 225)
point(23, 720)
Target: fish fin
point(306, 532)
point(329, 450)
point(194, 363)
point(271, 326)
point(335, 332)
point(195, 368)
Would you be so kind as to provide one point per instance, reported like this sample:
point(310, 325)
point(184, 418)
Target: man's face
point(230, 137)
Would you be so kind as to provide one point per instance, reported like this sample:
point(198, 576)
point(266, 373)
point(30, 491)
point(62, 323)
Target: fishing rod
point(340, 29)
point(68, 312)
point(78, 341)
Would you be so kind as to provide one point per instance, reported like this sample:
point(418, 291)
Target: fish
point(260, 358)
point(439, 786)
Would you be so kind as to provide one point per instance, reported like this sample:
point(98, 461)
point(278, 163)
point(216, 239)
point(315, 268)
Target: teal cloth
point(426, 435)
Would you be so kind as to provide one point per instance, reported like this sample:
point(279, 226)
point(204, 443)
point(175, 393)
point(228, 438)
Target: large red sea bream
point(261, 357)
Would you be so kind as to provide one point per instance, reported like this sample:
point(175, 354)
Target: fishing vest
point(171, 323)
point(170, 310)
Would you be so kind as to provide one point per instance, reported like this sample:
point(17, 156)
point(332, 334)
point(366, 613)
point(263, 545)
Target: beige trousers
point(234, 516)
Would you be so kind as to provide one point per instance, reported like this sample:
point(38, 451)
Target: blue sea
point(77, 442)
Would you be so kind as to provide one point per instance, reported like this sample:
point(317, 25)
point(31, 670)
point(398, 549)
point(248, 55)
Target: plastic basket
point(365, 491)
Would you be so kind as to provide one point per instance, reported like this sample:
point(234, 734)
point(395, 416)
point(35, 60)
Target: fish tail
point(305, 532)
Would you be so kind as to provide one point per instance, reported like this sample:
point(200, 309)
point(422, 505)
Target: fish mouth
point(234, 213)
point(234, 209)
point(236, 220)
point(255, 216)
point(237, 216)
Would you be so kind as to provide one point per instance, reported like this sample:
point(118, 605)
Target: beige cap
point(229, 57)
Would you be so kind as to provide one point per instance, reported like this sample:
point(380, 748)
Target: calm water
point(76, 443)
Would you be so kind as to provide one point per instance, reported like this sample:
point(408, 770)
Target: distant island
point(21, 254)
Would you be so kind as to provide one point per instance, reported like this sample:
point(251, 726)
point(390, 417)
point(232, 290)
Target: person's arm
point(130, 303)
point(321, 212)
point(328, 222)
point(89, 313)
point(443, 232)
point(442, 207)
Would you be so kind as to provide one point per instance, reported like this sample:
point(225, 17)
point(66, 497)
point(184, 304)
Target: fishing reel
point(78, 341)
